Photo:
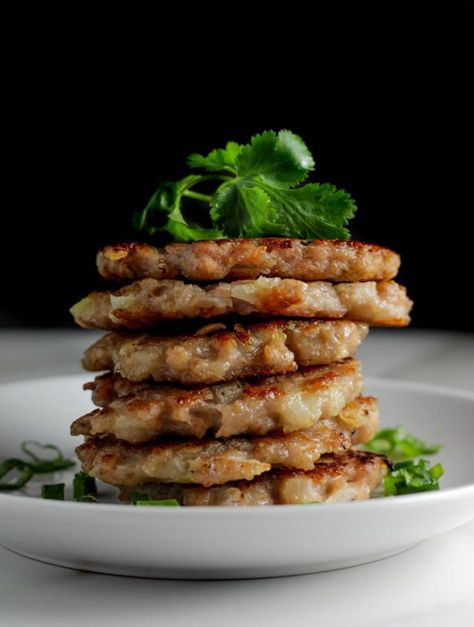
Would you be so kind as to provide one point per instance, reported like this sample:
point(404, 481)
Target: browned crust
point(213, 462)
point(109, 387)
point(349, 476)
point(214, 260)
point(139, 412)
point(149, 302)
point(267, 348)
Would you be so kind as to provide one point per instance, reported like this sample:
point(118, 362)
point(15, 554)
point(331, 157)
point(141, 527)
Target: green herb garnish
point(23, 474)
point(42, 466)
point(400, 445)
point(54, 491)
point(84, 488)
point(412, 476)
point(37, 465)
point(158, 502)
point(259, 193)
point(138, 498)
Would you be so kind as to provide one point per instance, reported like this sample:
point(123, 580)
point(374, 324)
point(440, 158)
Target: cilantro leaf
point(282, 159)
point(412, 476)
point(162, 201)
point(256, 209)
point(181, 230)
point(262, 196)
point(218, 159)
point(245, 210)
point(166, 202)
point(400, 445)
point(315, 211)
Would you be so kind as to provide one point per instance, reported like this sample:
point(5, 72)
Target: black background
point(87, 138)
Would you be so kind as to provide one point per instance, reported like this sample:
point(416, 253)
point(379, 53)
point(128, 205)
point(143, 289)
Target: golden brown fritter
point(109, 387)
point(215, 462)
point(349, 476)
point(268, 348)
point(288, 402)
point(148, 302)
point(214, 260)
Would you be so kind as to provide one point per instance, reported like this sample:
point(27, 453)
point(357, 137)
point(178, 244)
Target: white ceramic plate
point(223, 542)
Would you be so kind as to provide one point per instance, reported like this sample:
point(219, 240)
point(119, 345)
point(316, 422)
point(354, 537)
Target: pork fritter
point(268, 348)
point(146, 303)
point(214, 260)
point(215, 462)
point(350, 476)
point(288, 402)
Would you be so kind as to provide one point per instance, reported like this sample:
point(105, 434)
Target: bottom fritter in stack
point(249, 414)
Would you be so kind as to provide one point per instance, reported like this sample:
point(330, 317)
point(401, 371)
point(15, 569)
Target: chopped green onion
point(87, 498)
point(160, 502)
point(138, 496)
point(54, 491)
point(410, 477)
point(437, 471)
point(399, 445)
point(40, 465)
point(83, 486)
point(24, 474)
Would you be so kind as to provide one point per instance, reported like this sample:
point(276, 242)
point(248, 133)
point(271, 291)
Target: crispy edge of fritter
point(213, 462)
point(148, 302)
point(212, 260)
point(353, 475)
point(262, 349)
point(158, 409)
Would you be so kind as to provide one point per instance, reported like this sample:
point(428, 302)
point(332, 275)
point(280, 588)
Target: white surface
point(428, 585)
point(217, 543)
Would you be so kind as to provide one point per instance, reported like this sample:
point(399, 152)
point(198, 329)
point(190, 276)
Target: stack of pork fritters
point(262, 410)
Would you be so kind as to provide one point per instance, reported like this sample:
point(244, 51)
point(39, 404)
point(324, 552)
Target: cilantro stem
point(211, 177)
point(227, 168)
point(225, 177)
point(197, 195)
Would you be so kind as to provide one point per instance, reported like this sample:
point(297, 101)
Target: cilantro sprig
point(258, 191)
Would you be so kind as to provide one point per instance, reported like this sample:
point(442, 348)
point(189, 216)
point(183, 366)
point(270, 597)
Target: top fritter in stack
point(260, 410)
